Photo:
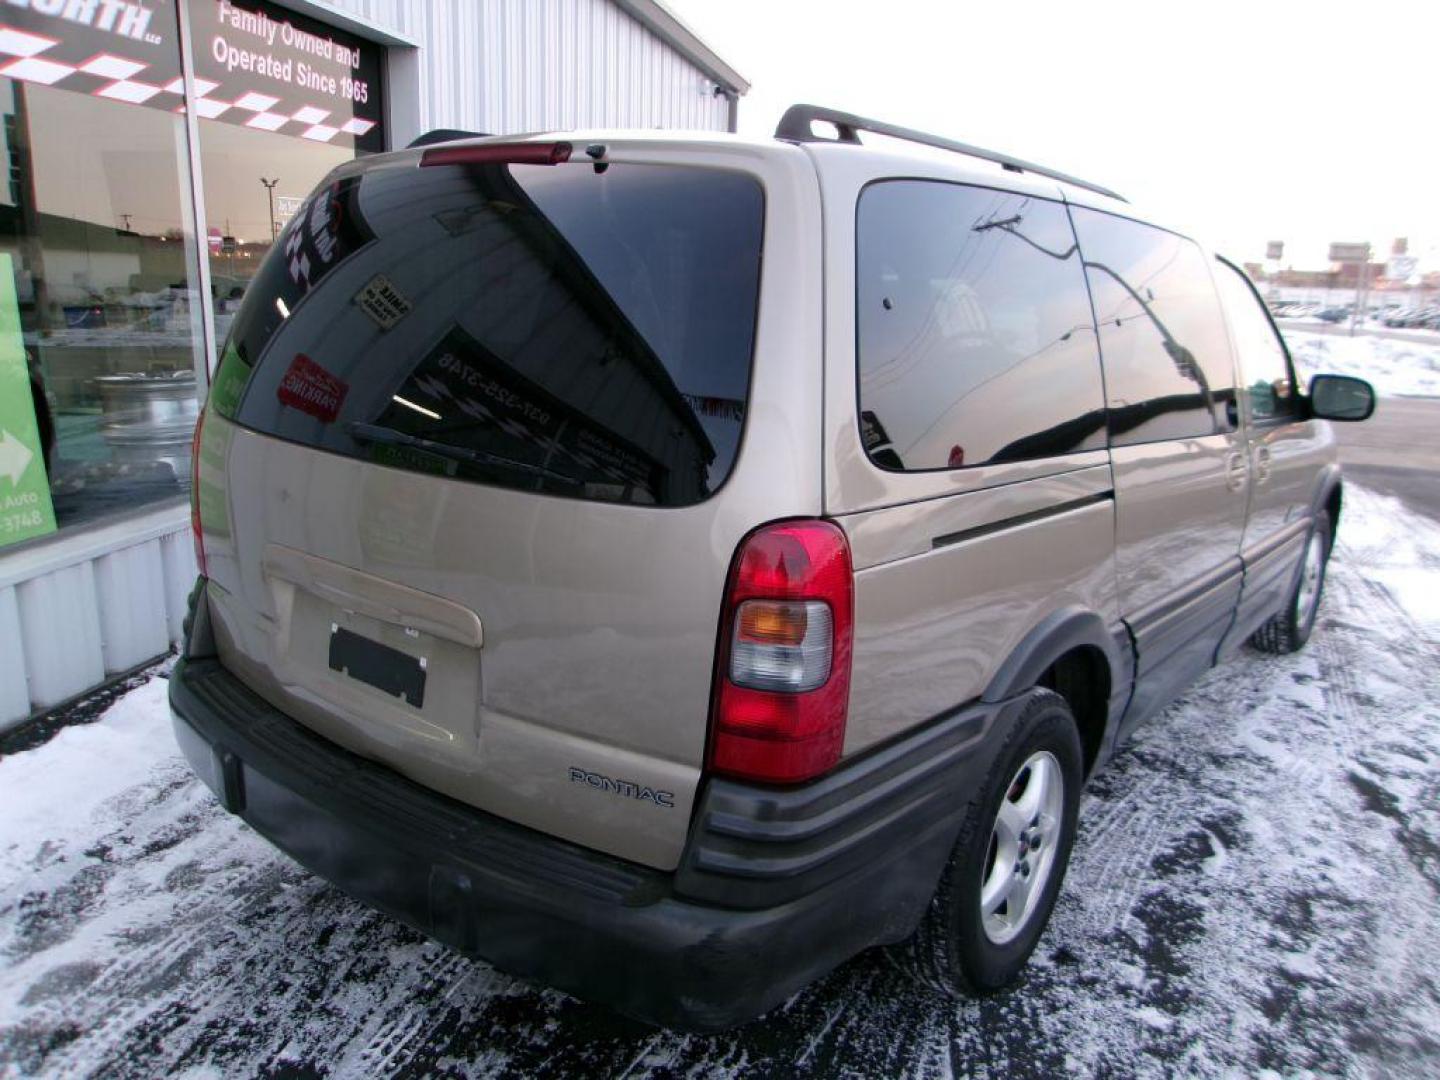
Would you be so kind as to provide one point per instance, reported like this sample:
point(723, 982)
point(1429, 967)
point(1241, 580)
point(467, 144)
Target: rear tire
point(999, 886)
point(1290, 629)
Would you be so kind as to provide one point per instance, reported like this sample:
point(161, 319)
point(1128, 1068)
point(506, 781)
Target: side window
point(1169, 371)
point(1264, 364)
point(974, 335)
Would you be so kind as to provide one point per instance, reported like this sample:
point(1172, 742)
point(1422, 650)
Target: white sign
point(286, 207)
point(1401, 267)
point(382, 302)
point(1350, 253)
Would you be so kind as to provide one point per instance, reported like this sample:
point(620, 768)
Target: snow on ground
point(1392, 366)
point(1254, 892)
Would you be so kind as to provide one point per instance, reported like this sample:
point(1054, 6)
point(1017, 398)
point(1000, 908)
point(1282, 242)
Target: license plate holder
point(378, 665)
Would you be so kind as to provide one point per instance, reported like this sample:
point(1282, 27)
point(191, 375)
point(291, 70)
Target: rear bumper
point(776, 887)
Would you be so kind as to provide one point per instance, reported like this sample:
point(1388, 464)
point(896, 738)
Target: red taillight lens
point(783, 683)
point(499, 154)
point(195, 495)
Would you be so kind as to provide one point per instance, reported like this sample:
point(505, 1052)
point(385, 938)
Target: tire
point(1290, 629)
point(956, 950)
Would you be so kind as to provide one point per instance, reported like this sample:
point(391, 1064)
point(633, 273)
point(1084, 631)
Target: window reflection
point(236, 162)
point(1264, 364)
point(1168, 367)
point(548, 328)
point(971, 300)
point(94, 221)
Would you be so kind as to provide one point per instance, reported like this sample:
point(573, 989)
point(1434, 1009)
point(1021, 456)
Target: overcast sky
point(1246, 122)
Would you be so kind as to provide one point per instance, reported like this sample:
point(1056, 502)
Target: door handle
point(1235, 470)
point(1262, 464)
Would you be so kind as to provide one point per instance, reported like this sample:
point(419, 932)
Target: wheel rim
point(1024, 840)
point(1307, 596)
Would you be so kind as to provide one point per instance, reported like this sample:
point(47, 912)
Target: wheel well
point(1082, 678)
point(1332, 505)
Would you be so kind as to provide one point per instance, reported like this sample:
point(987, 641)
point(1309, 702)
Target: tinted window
point(1264, 365)
point(555, 329)
point(974, 335)
point(1168, 367)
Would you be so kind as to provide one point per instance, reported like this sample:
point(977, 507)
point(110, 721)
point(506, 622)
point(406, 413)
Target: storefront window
point(100, 313)
point(282, 101)
point(94, 234)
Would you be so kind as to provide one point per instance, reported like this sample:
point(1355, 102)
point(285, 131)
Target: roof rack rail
point(795, 126)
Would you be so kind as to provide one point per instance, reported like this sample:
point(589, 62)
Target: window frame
point(1297, 413)
point(859, 427)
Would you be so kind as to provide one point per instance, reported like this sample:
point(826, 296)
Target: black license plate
point(389, 670)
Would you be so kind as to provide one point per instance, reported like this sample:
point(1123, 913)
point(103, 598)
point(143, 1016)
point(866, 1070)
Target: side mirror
point(1341, 397)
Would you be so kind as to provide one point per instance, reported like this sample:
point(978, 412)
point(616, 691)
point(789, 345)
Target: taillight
point(195, 495)
point(783, 685)
point(498, 154)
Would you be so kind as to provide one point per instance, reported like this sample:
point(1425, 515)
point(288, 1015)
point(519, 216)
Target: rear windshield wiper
point(390, 437)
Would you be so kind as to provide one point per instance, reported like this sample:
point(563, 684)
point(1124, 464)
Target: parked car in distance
point(1334, 314)
point(667, 564)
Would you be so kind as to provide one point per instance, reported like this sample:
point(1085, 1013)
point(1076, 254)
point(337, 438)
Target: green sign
point(25, 509)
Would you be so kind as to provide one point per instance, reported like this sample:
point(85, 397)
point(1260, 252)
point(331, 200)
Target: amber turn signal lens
point(772, 622)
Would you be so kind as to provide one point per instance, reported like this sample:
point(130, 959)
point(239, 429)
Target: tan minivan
point(665, 565)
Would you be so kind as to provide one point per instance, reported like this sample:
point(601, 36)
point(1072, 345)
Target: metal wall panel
point(177, 554)
point(130, 591)
point(14, 693)
point(64, 629)
point(533, 65)
point(60, 625)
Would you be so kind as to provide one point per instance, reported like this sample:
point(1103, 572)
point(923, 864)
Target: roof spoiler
point(439, 135)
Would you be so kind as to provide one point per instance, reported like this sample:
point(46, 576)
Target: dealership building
point(156, 149)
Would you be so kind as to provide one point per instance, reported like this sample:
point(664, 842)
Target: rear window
point(559, 329)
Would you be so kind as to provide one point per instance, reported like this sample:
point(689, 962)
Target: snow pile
point(1398, 554)
point(1253, 892)
point(1393, 367)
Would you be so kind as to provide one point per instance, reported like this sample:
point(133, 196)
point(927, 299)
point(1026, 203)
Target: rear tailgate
point(471, 475)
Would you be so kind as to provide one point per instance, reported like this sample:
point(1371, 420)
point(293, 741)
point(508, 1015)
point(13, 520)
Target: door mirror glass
point(1340, 397)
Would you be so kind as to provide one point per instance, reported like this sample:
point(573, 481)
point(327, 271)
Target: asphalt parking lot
point(1397, 451)
point(1254, 890)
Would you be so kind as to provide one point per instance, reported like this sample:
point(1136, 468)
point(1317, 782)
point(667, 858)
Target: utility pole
point(270, 191)
point(1362, 281)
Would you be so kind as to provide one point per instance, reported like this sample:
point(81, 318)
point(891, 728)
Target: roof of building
point(665, 24)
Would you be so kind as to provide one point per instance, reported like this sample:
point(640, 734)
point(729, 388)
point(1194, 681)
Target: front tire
point(1290, 629)
point(999, 886)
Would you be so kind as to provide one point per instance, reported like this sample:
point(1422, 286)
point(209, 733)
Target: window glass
point(975, 341)
point(1264, 365)
point(1168, 366)
point(549, 328)
point(283, 99)
point(94, 228)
